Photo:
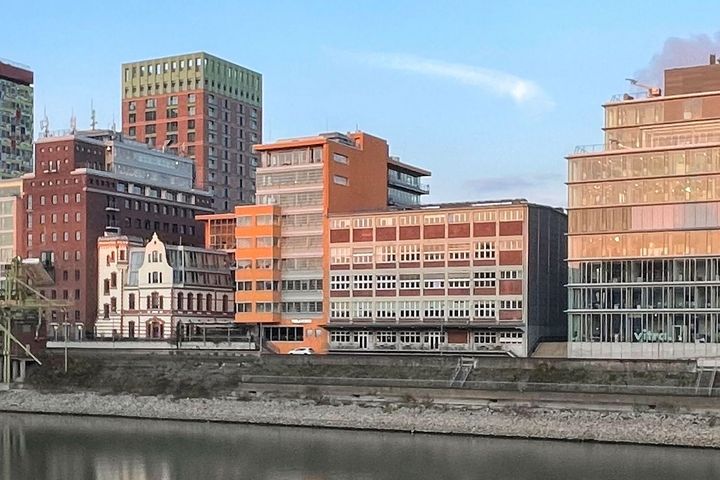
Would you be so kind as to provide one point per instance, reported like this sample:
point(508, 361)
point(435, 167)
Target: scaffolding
point(19, 300)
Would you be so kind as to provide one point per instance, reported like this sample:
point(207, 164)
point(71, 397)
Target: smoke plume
point(679, 52)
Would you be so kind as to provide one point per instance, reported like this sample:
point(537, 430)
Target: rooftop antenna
point(113, 124)
point(73, 122)
point(93, 120)
point(45, 124)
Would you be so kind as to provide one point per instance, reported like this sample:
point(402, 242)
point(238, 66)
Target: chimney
point(713, 59)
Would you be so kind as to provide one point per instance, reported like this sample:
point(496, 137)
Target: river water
point(38, 447)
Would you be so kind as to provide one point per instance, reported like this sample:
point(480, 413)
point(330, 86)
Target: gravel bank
point(580, 425)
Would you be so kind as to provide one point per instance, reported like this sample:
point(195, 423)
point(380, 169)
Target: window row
point(480, 279)
point(429, 219)
point(413, 253)
point(344, 309)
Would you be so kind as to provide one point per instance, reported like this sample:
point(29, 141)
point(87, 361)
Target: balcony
point(415, 187)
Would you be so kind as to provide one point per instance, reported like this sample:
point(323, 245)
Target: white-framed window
point(434, 281)
point(434, 308)
point(485, 279)
point(410, 252)
point(410, 281)
point(409, 308)
point(340, 282)
point(434, 219)
point(511, 214)
point(385, 309)
point(458, 217)
point(408, 220)
point(485, 338)
point(385, 222)
point(459, 308)
point(515, 274)
point(362, 255)
point(485, 309)
point(362, 222)
point(340, 180)
point(386, 337)
point(243, 221)
point(362, 309)
point(485, 250)
point(339, 309)
point(459, 251)
point(386, 254)
point(339, 158)
point(339, 223)
point(510, 244)
point(485, 216)
point(434, 252)
point(410, 338)
point(362, 282)
point(459, 280)
point(340, 337)
point(511, 337)
point(340, 256)
point(386, 282)
point(510, 304)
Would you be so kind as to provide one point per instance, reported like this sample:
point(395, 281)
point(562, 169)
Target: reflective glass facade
point(644, 231)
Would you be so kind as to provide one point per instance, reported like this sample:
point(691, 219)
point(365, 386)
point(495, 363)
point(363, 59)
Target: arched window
point(190, 304)
point(209, 303)
point(180, 301)
point(225, 303)
point(199, 302)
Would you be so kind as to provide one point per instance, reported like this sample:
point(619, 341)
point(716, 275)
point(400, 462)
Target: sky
point(489, 96)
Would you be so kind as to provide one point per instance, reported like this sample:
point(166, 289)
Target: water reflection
point(63, 448)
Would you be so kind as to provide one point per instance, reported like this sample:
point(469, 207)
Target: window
point(362, 309)
point(362, 282)
point(340, 180)
point(511, 274)
point(339, 309)
point(386, 282)
point(459, 308)
point(434, 308)
point(283, 334)
point(434, 281)
point(339, 158)
point(385, 309)
point(510, 304)
point(410, 253)
point(485, 216)
point(511, 215)
point(459, 280)
point(434, 253)
point(485, 279)
point(410, 281)
point(113, 280)
point(362, 223)
point(409, 309)
point(362, 255)
point(340, 256)
point(337, 223)
point(340, 282)
point(410, 338)
point(340, 337)
point(434, 219)
point(485, 309)
point(510, 245)
point(243, 286)
point(458, 217)
point(485, 338)
point(485, 250)
point(407, 220)
point(459, 251)
point(131, 301)
point(386, 254)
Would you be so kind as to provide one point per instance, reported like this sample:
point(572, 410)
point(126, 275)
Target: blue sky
point(490, 96)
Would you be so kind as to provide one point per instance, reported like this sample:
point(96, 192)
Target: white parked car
point(301, 351)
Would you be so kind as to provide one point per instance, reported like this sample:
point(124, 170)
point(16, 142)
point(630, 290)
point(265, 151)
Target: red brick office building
point(89, 183)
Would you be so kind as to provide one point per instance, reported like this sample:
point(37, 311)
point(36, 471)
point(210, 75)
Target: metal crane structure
point(19, 302)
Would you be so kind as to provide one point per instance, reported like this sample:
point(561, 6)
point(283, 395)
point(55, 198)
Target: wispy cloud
point(545, 188)
point(520, 90)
